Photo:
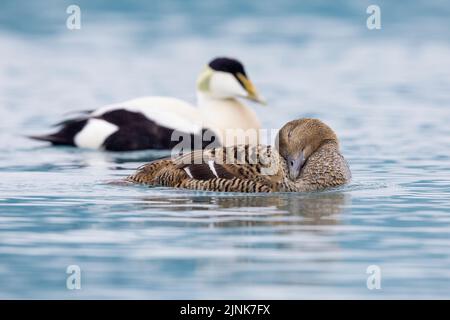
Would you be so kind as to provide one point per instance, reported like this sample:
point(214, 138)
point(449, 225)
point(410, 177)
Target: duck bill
point(252, 93)
point(295, 165)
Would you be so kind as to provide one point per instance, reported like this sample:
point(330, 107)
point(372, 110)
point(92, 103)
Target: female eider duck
point(148, 122)
point(306, 158)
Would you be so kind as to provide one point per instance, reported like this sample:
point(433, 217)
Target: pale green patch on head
point(204, 79)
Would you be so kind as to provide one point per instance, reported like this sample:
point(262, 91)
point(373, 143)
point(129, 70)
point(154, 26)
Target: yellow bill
point(251, 90)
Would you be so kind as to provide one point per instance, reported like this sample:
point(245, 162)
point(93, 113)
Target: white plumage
point(94, 134)
point(166, 111)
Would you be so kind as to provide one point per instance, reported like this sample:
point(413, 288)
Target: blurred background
point(305, 56)
point(385, 92)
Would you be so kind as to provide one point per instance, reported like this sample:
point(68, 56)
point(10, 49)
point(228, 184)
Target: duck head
point(225, 78)
point(297, 140)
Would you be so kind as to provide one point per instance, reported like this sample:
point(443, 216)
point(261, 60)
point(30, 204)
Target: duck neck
point(227, 117)
point(206, 99)
point(226, 114)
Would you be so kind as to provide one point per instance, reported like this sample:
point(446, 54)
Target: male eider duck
point(306, 158)
point(148, 122)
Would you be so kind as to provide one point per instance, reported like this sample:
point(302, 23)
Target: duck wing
point(242, 161)
point(243, 168)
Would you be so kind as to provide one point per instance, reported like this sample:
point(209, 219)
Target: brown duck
point(306, 158)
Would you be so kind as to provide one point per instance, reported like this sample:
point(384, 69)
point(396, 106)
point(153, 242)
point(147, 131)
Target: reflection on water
point(384, 92)
point(278, 209)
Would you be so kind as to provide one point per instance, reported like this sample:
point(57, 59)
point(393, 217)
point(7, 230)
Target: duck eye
point(292, 163)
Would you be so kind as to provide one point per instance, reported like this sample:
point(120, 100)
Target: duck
point(149, 122)
point(305, 158)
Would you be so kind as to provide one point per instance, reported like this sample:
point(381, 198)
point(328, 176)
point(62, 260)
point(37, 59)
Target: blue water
point(385, 92)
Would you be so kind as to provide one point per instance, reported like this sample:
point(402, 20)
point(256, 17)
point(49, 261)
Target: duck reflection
point(321, 208)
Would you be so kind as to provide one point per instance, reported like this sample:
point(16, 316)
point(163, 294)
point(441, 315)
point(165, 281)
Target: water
point(385, 93)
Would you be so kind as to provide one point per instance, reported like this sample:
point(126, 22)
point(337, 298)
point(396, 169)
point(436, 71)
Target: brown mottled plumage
point(307, 158)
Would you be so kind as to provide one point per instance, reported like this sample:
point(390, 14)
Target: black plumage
point(135, 132)
point(66, 134)
point(229, 65)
